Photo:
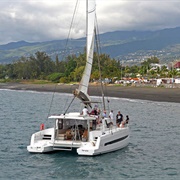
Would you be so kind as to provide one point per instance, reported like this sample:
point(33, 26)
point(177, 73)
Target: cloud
point(42, 20)
point(139, 15)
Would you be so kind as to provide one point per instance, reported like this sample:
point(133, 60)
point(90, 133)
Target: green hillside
point(122, 45)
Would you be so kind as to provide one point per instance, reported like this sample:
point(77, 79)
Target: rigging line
point(97, 34)
point(100, 52)
point(107, 98)
point(99, 66)
point(99, 97)
point(69, 105)
point(68, 98)
point(67, 40)
point(51, 101)
point(106, 92)
point(98, 47)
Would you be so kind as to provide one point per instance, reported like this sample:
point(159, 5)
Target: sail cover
point(82, 93)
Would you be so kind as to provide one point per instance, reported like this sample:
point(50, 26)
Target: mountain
point(15, 45)
point(127, 46)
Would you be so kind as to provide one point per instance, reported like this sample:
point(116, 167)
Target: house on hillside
point(177, 66)
point(155, 66)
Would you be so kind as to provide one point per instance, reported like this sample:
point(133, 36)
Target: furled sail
point(81, 92)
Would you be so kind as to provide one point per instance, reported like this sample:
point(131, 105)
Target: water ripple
point(153, 152)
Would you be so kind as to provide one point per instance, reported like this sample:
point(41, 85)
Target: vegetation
point(41, 67)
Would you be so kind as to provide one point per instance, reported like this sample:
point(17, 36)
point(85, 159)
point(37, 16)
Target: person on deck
point(119, 118)
point(127, 119)
point(104, 115)
point(94, 111)
point(85, 111)
point(111, 116)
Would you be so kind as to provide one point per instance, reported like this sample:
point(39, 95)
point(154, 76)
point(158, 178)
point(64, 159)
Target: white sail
point(81, 93)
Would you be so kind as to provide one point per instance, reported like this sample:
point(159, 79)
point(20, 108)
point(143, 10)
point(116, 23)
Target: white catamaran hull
point(41, 142)
point(112, 140)
point(99, 142)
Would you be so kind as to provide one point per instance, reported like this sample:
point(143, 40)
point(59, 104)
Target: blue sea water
point(153, 152)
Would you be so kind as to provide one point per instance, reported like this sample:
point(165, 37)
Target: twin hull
point(99, 142)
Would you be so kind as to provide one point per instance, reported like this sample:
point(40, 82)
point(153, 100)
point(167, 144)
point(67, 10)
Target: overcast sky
point(43, 20)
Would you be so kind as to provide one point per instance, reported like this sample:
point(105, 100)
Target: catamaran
point(74, 130)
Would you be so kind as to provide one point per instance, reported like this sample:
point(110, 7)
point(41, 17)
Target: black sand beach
point(144, 93)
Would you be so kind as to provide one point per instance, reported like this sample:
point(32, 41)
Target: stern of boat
point(42, 141)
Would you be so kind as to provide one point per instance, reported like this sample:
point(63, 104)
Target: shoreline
point(143, 93)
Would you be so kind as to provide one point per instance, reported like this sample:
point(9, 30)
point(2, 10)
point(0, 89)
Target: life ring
point(42, 127)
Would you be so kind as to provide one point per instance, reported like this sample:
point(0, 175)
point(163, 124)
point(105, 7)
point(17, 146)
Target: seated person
point(85, 111)
point(122, 124)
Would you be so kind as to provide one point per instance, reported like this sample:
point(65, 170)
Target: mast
point(82, 91)
point(86, 30)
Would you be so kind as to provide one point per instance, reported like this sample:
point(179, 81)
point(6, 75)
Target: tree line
point(41, 67)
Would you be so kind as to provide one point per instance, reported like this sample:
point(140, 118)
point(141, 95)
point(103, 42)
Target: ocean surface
point(153, 152)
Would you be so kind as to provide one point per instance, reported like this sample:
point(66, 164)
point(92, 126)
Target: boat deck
point(67, 143)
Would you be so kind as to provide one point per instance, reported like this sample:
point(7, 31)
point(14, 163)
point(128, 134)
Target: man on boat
point(119, 118)
point(104, 115)
point(127, 119)
point(94, 111)
point(85, 111)
point(111, 116)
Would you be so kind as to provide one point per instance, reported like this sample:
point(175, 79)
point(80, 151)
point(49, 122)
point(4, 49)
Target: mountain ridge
point(123, 45)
